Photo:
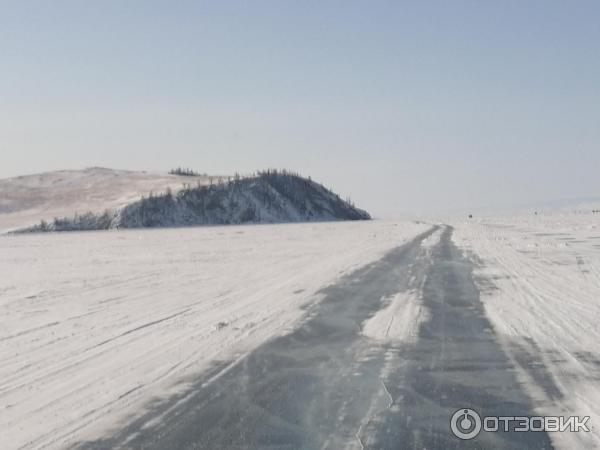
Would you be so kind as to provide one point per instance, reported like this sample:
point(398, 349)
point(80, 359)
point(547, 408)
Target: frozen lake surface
point(331, 335)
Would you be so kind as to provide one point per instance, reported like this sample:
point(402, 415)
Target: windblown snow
point(403, 313)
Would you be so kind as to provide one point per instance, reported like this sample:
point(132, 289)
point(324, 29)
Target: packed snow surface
point(93, 326)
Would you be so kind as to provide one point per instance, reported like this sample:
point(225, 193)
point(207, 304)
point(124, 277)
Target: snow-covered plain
point(96, 326)
point(540, 281)
point(93, 326)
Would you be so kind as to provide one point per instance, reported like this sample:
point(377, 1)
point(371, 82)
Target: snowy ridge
point(268, 197)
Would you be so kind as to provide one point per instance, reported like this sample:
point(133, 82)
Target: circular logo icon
point(465, 423)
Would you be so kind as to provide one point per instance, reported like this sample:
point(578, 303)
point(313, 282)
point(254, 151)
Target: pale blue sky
point(404, 106)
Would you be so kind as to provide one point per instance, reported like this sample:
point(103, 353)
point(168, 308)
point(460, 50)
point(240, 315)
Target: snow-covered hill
point(25, 200)
point(268, 197)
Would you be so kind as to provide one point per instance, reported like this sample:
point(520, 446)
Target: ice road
point(327, 385)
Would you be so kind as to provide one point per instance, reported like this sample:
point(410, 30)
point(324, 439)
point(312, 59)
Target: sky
point(406, 107)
